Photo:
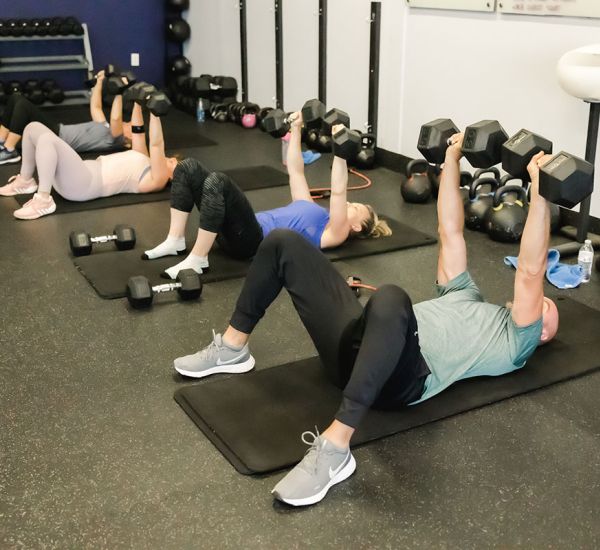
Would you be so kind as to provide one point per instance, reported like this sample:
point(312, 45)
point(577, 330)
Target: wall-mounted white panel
point(468, 5)
point(348, 41)
point(300, 52)
point(260, 32)
point(214, 47)
point(573, 8)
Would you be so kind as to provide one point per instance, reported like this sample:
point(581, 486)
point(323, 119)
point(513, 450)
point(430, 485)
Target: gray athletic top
point(90, 136)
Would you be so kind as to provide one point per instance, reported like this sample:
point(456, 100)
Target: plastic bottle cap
point(588, 241)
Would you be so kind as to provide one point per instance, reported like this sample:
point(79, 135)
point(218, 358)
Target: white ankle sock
point(197, 263)
point(171, 246)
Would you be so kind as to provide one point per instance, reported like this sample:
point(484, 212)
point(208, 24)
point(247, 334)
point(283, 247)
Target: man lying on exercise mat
point(389, 354)
point(227, 216)
point(96, 135)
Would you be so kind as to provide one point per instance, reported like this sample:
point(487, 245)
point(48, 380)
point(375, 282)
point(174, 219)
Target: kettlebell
point(324, 143)
point(312, 138)
point(466, 179)
point(492, 170)
point(479, 203)
point(248, 112)
point(366, 156)
point(506, 219)
point(416, 188)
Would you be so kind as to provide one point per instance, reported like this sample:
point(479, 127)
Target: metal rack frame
point(53, 63)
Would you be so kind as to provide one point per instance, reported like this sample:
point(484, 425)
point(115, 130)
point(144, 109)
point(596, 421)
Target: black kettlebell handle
point(501, 192)
point(368, 141)
point(493, 182)
point(491, 170)
point(507, 177)
point(417, 166)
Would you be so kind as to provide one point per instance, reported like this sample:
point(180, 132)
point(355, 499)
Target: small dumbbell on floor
point(81, 242)
point(140, 293)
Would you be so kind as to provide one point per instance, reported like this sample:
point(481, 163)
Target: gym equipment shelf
point(53, 63)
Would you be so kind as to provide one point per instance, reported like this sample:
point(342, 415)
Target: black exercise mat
point(253, 177)
point(257, 177)
point(185, 138)
point(108, 271)
point(63, 206)
point(256, 419)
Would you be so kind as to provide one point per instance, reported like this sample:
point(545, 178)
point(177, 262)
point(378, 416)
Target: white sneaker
point(35, 208)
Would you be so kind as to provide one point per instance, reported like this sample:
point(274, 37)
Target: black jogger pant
point(372, 354)
point(223, 207)
point(19, 112)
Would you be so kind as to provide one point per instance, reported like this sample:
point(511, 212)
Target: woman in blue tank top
point(227, 216)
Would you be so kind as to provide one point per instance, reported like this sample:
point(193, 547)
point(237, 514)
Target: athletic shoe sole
point(42, 212)
point(236, 368)
point(343, 474)
point(179, 253)
point(11, 160)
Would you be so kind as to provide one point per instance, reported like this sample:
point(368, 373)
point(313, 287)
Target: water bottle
point(200, 110)
point(585, 259)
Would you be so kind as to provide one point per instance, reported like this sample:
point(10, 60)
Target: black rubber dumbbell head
point(125, 237)
point(139, 292)
point(313, 112)
point(482, 144)
point(518, 150)
point(566, 179)
point(158, 104)
point(346, 144)
point(433, 139)
point(191, 285)
point(333, 117)
point(80, 243)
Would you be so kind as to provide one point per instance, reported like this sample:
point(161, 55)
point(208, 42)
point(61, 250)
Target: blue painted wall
point(116, 28)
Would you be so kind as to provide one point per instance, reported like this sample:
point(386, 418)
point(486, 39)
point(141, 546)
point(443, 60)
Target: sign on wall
point(468, 5)
point(574, 8)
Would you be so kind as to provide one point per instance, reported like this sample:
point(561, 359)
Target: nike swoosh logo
point(234, 360)
point(333, 473)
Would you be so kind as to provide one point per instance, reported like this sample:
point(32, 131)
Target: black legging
point(223, 207)
point(19, 112)
point(372, 354)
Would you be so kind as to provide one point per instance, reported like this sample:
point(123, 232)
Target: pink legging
point(58, 165)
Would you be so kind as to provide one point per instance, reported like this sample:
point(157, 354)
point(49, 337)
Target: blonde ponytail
point(373, 227)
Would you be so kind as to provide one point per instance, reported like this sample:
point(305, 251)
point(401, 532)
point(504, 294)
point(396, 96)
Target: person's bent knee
point(282, 239)
point(36, 127)
point(391, 300)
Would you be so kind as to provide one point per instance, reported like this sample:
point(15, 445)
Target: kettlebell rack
point(37, 63)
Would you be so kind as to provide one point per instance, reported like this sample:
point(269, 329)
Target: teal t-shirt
point(462, 336)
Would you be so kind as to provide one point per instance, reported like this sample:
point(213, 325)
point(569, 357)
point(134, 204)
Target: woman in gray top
point(96, 135)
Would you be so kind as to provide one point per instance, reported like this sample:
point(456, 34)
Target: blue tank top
point(304, 217)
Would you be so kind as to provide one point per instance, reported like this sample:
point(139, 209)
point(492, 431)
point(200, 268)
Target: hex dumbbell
point(482, 143)
point(140, 293)
point(346, 143)
point(81, 242)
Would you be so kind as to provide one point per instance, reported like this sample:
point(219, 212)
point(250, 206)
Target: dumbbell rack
point(53, 63)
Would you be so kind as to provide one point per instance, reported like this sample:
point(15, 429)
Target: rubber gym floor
point(95, 453)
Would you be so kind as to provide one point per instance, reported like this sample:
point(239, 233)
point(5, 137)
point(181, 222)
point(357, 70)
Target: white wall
point(260, 29)
point(471, 66)
point(300, 52)
point(348, 32)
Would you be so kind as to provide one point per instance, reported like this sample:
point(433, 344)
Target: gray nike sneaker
point(215, 358)
point(322, 467)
